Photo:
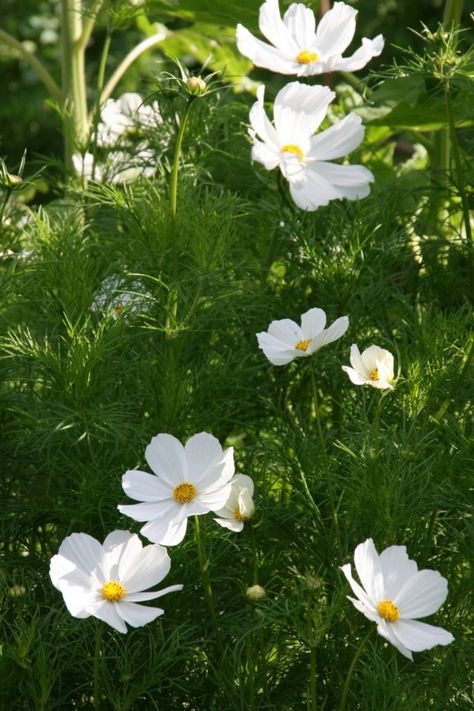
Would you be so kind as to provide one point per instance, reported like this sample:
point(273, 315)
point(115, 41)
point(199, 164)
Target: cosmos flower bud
point(196, 85)
point(255, 593)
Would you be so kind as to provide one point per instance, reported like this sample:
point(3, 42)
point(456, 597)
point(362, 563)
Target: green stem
point(176, 157)
point(254, 555)
point(41, 71)
point(206, 580)
point(457, 161)
point(313, 678)
point(89, 22)
point(131, 57)
point(2, 210)
point(456, 383)
point(98, 644)
point(316, 411)
point(452, 13)
point(376, 428)
point(348, 680)
point(100, 83)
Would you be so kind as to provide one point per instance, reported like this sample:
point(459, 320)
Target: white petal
point(241, 481)
point(260, 122)
point(203, 453)
point(145, 596)
point(266, 155)
point(396, 568)
point(356, 588)
point(107, 612)
point(149, 511)
point(368, 612)
point(263, 54)
point(301, 25)
point(366, 561)
point(298, 111)
point(338, 140)
point(358, 60)
point(386, 630)
point(286, 331)
point(145, 487)
point(354, 376)
point(352, 182)
point(117, 545)
point(418, 636)
point(144, 570)
point(231, 523)
point(273, 28)
point(314, 193)
point(64, 572)
point(137, 615)
point(422, 594)
point(331, 334)
point(357, 362)
point(164, 531)
point(336, 29)
point(165, 456)
point(83, 550)
point(313, 322)
point(276, 352)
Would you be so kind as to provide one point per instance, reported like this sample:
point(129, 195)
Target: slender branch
point(41, 71)
point(88, 26)
point(457, 162)
point(314, 701)
point(452, 13)
point(347, 683)
point(131, 57)
point(206, 580)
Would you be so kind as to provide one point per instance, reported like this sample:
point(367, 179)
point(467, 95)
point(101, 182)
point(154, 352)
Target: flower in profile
point(394, 594)
point(107, 580)
point(299, 47)
point(239, 507)
point(374, 367)
point(188, 480)
point(285, 340)
point(303, 158)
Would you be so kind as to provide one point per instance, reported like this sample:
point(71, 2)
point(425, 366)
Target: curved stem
point(348, 680)
point(206, 580)
point(89, 23)
point(98, 644)
point(177, 153)
point(131, 57)
point(41, 71)
point(313, 679)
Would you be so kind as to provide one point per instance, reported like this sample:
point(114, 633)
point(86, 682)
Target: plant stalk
point(314, 703)
point(97, 649)
point(348, 680)
point(206, 580)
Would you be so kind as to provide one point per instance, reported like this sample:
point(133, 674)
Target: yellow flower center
point(112, 591)
point(374, 374)
point(303, 345)
point(118, 309)
point(292, 148)
point(306, 57)
point(388, 610)
point(240, 516)
point(184, 493)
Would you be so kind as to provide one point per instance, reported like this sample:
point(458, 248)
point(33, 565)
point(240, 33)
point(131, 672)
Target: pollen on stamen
point(303, 345)
point(374, 374)
point(185, 492)
point(240, 516)
point(306, 57)
point(293, 148)
point(388, 610)
point(112, 591)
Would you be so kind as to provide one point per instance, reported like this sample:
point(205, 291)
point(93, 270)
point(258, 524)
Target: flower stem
point(98, 644)
point(348, 680)
point(452, 13)
point(316, 411)
point(376, 429)
point(177, 153)
point(206, 580)
point(313, 678)
point(4, 204)
point(457, 161)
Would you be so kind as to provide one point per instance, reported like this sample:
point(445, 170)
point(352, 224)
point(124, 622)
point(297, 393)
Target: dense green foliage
point(86, 381)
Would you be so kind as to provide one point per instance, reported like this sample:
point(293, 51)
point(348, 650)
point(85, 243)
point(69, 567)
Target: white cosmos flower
point(374, 367)
point(239, 507)
point(302, 157)
point(285, 340)
point(394, 594)
point(189, 480)
point(298, 47)
point(122, 116)
point(107, 580)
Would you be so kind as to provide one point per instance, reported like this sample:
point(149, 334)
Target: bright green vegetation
point(84, 387)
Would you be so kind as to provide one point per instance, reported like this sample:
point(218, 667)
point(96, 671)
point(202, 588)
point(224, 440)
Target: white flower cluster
point(126, 153)
point(298, 47)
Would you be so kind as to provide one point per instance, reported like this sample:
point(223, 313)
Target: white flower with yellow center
point(374, 367)
point(188, 480)
point(299, 47)
point(107, 580)
point(394, 594)
point(239, 507)
point(302, 157)
point(285, 340)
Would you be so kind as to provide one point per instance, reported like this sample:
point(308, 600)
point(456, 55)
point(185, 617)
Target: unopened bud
point(255, 593)
point(196, 85)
